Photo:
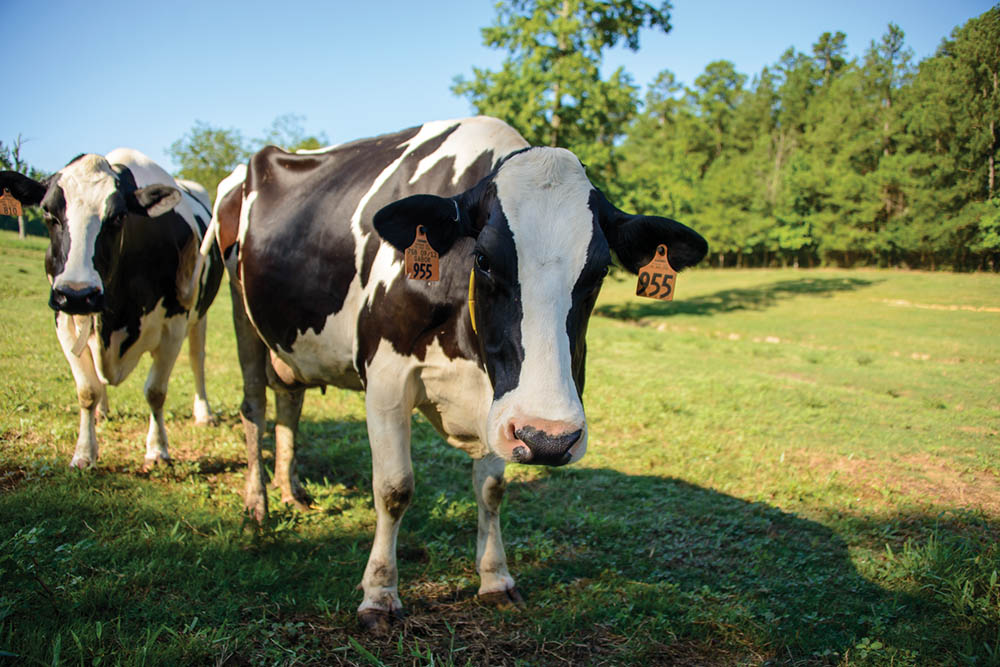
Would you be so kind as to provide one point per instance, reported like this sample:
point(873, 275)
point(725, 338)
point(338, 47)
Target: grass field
point(785, 467)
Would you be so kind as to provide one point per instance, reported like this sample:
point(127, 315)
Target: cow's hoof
point(300, 505)
point(149, 464)
point(257, 511)
point(505, 599)
point(378, 621)
point(206, 420)
point(81, 463)
point(298, 499)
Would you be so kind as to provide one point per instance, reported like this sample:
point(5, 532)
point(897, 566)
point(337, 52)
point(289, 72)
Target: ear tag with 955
point(656, 279)
point(421, 259)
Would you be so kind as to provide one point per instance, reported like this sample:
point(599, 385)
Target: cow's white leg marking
point(164, 357)
point(253, 356)
point(389, 400)
point(288, 409)
point(201, 410)
point(90, 392)
point(495, 581)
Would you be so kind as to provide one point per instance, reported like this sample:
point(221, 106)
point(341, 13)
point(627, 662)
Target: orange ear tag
point(421, 259)
point(9, 205)
point(656, 279)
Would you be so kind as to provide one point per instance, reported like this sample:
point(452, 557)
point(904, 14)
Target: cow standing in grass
point(492, 353)
point(126, 276)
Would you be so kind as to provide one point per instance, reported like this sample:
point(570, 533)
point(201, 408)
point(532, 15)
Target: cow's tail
point(226, 218)
point(207, 241)
point(219, 219)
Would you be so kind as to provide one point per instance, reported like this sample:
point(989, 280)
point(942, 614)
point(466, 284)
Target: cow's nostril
point(76, 302)
point(548, 449)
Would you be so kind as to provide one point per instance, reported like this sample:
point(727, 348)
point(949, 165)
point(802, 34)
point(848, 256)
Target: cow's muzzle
point(82, 301)
point(543, 448)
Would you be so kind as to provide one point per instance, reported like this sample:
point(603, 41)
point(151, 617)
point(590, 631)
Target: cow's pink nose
point(544, 447)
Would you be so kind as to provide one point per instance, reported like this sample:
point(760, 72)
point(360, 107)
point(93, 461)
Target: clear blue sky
point(91, 76)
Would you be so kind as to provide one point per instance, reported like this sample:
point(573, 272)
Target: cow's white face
point(76, 208)
point(542, 196)
point(544, 238)
point(86, 205)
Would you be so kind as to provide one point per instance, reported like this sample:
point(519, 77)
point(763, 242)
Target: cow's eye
point(482, 263)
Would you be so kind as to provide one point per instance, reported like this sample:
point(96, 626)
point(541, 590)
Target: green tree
point(287, 132)
point(208, 154)
point(550, 86)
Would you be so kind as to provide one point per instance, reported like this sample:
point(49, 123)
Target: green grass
point(785, 467)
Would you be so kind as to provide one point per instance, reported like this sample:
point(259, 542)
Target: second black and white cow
point(492, 353)
point(127, 279)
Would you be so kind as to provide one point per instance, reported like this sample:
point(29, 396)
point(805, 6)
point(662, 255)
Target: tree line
point(818, 159)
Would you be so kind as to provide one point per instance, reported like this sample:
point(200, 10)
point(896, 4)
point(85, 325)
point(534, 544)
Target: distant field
point(785, 467)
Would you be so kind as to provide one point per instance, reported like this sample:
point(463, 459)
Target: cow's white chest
point(114, 365)
point(455, 396)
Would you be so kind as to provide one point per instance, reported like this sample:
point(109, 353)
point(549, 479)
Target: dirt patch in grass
point(453, 627)
point(10, 478)
point(922, 477)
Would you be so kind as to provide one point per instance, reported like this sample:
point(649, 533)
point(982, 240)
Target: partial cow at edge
point(492, 353)
point(127, 278)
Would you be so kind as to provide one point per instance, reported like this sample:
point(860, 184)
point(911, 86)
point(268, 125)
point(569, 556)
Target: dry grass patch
point(920, 477)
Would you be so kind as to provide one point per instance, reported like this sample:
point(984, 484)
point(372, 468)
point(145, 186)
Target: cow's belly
point(327, 357)
point(455, 397)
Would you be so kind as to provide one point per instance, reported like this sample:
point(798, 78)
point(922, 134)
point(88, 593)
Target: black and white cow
point(314, 243)
point(127, 278)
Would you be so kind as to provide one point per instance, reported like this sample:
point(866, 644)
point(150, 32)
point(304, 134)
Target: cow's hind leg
point(201, 411)
point(496, 586)
point(164, 357)
point(392, 484)
point(253, 357)
point(288, 409)
point(91, 393)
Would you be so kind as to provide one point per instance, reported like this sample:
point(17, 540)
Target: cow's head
point(86, 205)
point(545, 238)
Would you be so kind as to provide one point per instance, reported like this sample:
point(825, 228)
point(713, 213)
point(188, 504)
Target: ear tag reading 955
point(9, 205)
point(421, 259)
point(656, 279)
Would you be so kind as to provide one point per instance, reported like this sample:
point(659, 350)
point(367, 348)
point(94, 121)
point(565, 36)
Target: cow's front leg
point(91, 393)
point(288, 409)
point(392, 484)
point(253, 356)
point(201, 410)
point(496, 586)
point(155, 389)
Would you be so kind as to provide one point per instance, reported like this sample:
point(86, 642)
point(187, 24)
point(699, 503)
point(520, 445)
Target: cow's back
point(310, 260)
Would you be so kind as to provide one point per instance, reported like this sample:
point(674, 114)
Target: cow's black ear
point(154, 200)
point(26, 190)
point(634, 238)
point(443, 220)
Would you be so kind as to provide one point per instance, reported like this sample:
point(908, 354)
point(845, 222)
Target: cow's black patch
point(498, 293)
point(298, 254)
point(585, 291)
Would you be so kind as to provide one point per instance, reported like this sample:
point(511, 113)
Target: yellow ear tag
point(9, 205)
point(472, 299)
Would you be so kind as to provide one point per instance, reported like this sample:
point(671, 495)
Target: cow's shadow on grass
point(725, 301)
point(658, 560)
